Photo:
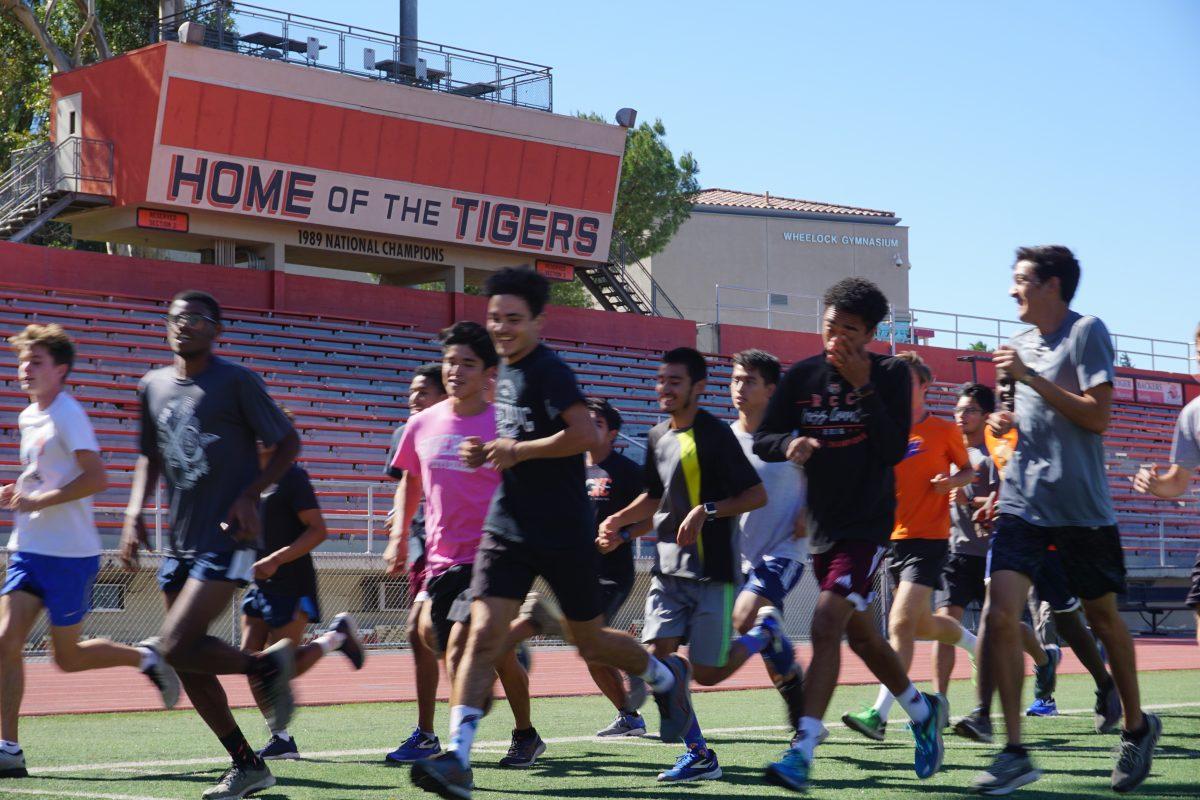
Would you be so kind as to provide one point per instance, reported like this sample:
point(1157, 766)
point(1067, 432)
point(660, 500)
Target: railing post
point(370, 518)
point(1162, 544)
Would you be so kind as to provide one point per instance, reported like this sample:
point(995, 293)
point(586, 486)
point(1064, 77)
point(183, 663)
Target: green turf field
point(171, 755)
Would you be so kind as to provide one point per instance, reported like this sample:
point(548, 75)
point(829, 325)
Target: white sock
point(966, 641)
point(914, 704)
point(658, 676)
point(149, 658)
point(9, 747)
point(883, 703)
point(463, 722)
point(810, 731)
point(330, 641)
point(282, 734)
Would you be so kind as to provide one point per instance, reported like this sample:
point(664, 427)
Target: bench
point(1154, 604)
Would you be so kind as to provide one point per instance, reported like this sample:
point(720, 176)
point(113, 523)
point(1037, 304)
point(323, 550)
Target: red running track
point(388, 677)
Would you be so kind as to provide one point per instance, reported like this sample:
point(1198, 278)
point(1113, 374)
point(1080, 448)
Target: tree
point(45, 36)
point(655, 193)
point(1124, 360)
point(978, 347)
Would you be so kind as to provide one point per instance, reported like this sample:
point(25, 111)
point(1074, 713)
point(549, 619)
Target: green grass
point(1077, 761)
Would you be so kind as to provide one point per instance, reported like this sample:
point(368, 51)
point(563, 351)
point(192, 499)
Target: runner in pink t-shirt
point(456, 502)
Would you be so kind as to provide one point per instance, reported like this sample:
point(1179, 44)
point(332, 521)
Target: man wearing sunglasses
point(200, 420)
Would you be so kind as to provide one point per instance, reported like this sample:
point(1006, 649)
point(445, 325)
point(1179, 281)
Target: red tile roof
point(730, 198)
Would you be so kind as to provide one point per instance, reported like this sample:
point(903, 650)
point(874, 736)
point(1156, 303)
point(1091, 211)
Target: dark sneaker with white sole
point(1009, 772)
point(445, 776)
point(273, 677)
point(977, 727)
point(280, 749)
point(1135, 754)
point(1107, 713)
point(12, 765)
point(524, 750)
point(238, 782)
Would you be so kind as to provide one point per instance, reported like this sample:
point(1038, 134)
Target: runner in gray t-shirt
point(1055, 492)
point(1185, 463)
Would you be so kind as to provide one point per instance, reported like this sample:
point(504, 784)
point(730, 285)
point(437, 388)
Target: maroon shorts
point(848, 569)
point(416, 580)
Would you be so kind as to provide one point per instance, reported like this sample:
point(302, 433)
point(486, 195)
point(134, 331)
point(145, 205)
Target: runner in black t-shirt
point(200, 419)
point(540, 523)
point(283, 599)
point(425, 390)
point(844, 414)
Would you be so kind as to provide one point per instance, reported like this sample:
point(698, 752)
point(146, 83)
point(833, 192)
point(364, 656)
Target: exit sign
point(162, 220)
point(555, 271)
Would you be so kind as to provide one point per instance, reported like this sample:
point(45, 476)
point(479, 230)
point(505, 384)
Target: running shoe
point(1045, 678)
point(790, 771)
point(930, 749)
point(351, 646)
point(1042, 708)
point(444, 775)
point(416, 747)
point(675, 704)
point(1108, 708)
point(1008, 772)
point(544, 614)
point(524, 750)
point(12, 765)
point(237, 782)
point(778, 652)
point(697, 764)
point(279, 749)
point(273, 678)
point(867, 722)
point(625, 725)
point(160, 673)
point(977, 727)
point(1135, 754)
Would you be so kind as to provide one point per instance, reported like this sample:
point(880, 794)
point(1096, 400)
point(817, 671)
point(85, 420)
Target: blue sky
point(983, 125)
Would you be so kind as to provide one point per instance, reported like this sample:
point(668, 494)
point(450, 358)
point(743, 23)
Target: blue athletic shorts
point(63, 584)
point(278, 610)
point(773, 578)
point(236, 566)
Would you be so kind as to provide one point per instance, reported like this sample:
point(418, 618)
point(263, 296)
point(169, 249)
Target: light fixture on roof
point(627, 117)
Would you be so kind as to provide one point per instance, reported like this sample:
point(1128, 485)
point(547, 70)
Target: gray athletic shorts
point(698, 612)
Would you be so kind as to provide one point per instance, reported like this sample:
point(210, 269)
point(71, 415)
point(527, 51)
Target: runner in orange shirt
point(920, 541)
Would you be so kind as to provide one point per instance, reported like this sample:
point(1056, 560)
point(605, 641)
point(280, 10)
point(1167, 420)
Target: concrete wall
point(770, 252)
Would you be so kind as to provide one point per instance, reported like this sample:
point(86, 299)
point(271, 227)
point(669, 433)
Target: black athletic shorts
point(1092, 558)
point(1053, 587)
point(1193, 598)
point(963, 580)
point(918, 561)
point(504, 568)
point(613, 595)
point(449, 601)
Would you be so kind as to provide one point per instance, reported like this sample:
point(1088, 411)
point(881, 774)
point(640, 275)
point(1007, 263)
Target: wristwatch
point(710, 510)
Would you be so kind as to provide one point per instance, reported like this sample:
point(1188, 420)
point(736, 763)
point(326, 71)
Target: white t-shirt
point(767, 532)
point(49, 440)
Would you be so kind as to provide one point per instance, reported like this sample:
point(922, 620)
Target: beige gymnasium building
point(761, 260)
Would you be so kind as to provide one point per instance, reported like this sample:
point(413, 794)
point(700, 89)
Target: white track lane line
point(143, 766)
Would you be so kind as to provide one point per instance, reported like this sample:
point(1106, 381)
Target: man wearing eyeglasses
point(200, 420)
point(1055, 492)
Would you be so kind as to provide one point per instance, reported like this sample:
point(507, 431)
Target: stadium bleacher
point(346, 381)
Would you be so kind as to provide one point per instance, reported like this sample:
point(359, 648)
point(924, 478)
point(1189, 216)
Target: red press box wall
point(71, 269)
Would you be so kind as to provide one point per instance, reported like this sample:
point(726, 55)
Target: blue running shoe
point(697, 764)
point(1042, 708)
point(778, 653)
point(790, 771)
point(675, 704)
point(278, 749)
point(927, 759)
point(417, 747)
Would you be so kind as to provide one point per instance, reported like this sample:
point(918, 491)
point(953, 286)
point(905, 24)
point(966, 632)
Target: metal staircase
point(615, 290)
point(47, 180)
